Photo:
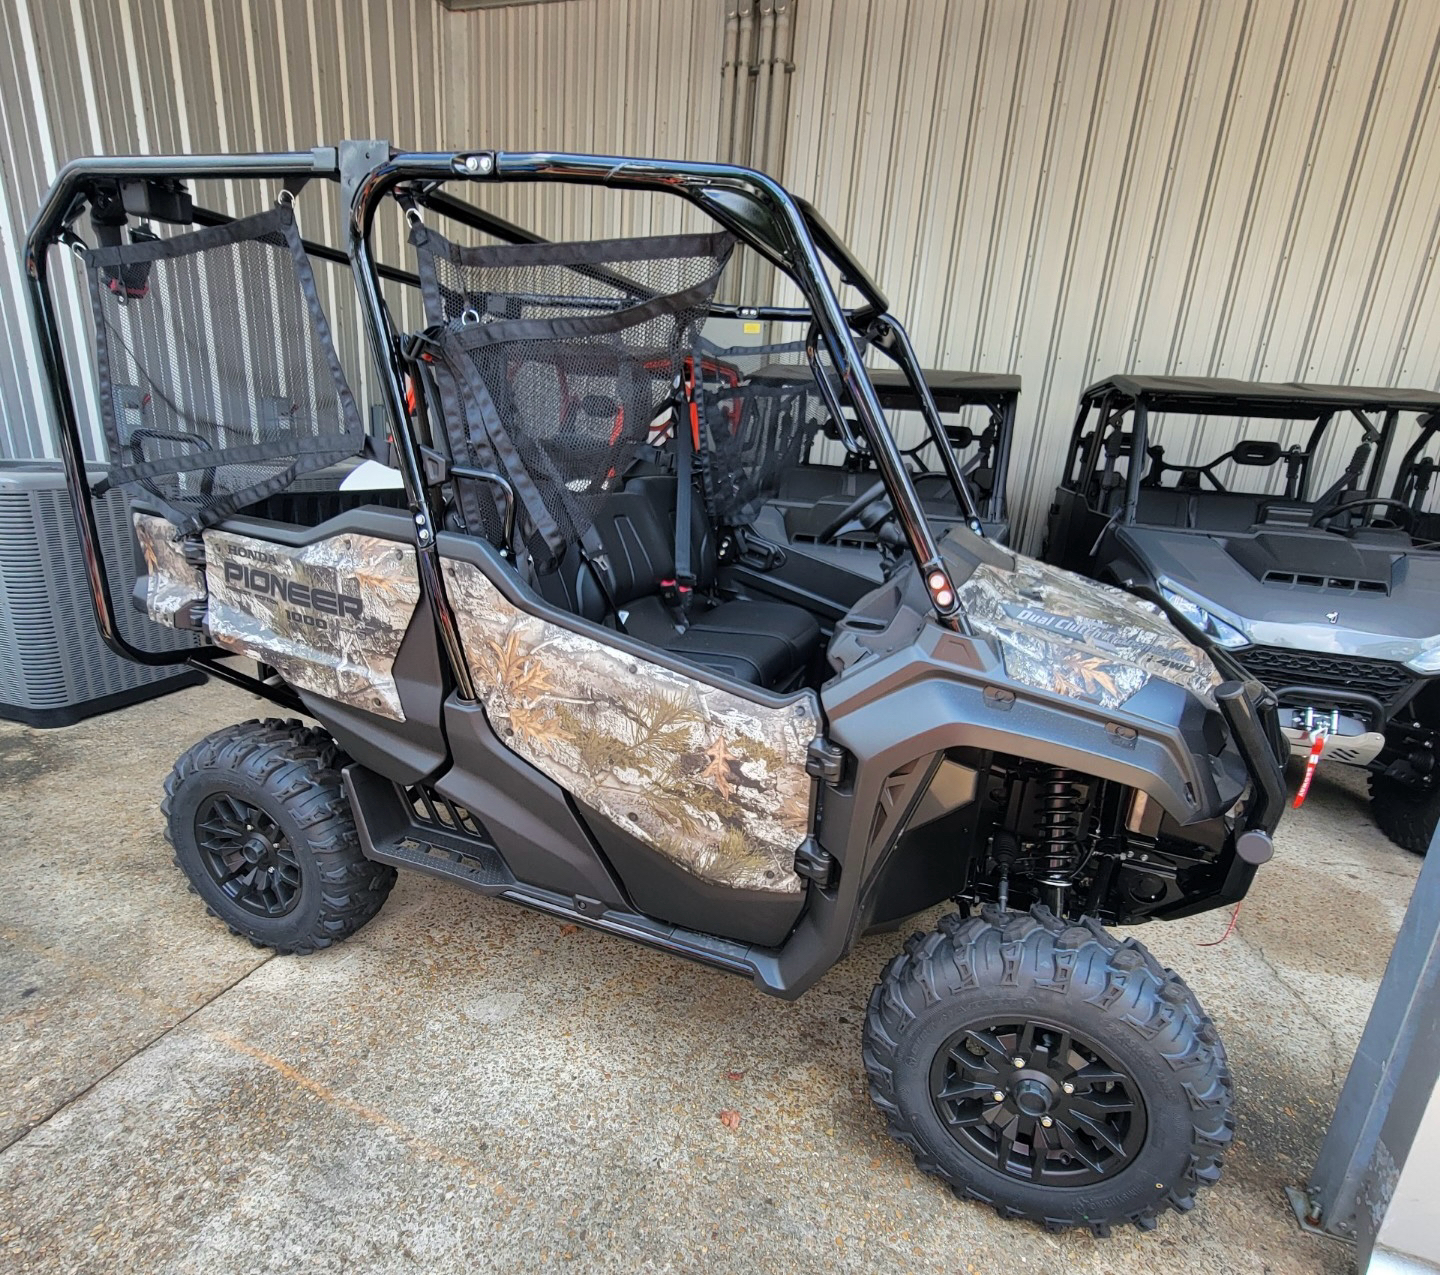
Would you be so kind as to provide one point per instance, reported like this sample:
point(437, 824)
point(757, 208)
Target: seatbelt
point(1349, 478)
point(680, 591)
point(592, 553)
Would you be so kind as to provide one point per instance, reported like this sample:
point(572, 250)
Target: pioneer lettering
point(270, 584)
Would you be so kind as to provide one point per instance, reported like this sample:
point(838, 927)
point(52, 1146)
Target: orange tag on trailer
point(1317, 750)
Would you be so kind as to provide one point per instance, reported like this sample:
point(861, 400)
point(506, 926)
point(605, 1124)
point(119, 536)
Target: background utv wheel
point(1406, 813)
point(259, 824)
point(1049, 1070)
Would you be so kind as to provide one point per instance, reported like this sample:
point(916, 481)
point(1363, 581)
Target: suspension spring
point(1062, 814)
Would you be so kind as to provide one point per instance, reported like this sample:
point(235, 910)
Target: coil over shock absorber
point(1062, 815)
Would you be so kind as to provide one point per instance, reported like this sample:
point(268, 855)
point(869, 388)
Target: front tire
point(1049, 1070)
point(1407, 813)
point(260, 826)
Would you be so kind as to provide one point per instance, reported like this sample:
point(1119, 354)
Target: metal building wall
point(1067, 188)
point(86, 76)
point(1056, 187)
point(617, 77)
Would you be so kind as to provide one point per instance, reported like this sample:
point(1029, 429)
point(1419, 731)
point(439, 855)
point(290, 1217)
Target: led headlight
point(1227, 635)
point(1427, 659)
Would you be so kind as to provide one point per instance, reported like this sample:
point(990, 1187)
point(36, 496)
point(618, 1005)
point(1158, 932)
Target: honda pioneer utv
point(1274, 536)
point(538, 670)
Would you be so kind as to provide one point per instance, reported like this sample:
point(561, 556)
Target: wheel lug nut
point(1019, 1062)
point(1068, 1087)
point(1046, 1121)
point(999, 1095)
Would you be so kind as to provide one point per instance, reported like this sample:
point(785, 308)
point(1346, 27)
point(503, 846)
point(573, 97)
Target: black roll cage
point(754, 207)
point(1409, 469)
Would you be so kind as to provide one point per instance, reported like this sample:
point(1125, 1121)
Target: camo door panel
point(172, 586)
point(711, 780)
point(329, 617)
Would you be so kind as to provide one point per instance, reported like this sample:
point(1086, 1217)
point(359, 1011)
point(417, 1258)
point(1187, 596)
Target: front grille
point(1279, 666)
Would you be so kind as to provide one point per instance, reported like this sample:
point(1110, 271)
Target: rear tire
point(260, 826)
point(1406, 813)
point(954, 1011)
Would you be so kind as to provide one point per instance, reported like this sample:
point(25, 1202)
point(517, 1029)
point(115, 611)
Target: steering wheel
point(1403, 523)
point(876, 495)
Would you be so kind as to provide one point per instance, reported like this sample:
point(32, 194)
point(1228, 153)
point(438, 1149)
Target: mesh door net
point(763, 410)
point(554, 364)
point(219, 382)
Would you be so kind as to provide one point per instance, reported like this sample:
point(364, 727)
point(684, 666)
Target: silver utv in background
point(1294, 530)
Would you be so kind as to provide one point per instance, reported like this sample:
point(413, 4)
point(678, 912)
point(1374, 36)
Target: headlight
point(1227, 635)
point(1428, 659)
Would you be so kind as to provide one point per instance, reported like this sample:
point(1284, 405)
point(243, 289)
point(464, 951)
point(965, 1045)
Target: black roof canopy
point(952, 390)
point(1221, 396)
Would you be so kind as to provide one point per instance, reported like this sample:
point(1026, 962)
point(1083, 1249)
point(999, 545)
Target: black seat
point(1163, 507)
point(1227, 510)
point(761, 642)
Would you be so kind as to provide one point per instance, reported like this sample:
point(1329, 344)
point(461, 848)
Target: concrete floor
point(469, 1086)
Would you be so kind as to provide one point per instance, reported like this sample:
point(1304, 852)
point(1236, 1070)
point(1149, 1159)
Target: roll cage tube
point(73, 189)
point(1135, 463)
point(1429, 429)
point(757, 209)
point(887, 335)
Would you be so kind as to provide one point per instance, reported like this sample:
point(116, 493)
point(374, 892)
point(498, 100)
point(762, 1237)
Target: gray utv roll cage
point(1376, 411)
point(754, 207)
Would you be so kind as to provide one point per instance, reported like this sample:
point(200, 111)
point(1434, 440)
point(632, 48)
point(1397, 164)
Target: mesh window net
point(557, 363)
point(763, 410)
point(219, 382)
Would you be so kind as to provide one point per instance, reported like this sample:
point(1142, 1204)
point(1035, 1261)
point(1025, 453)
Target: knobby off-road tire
point(928, 1032)
point(1406, 813)
point(259, 824)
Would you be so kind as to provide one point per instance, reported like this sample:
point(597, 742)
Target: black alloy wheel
point(1034, 1101)
point(1041, 1066)
point(261, 827)
point(247, 855)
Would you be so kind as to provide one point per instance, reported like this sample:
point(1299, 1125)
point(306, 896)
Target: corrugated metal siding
point(120, 76)
point(1060, 188)
point(1243, 188)
point(618, 77)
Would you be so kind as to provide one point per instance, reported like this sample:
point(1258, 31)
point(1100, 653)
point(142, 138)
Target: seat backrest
point(637, 529)
point(1228, 510)
point(658, 490)
point(1163, 507)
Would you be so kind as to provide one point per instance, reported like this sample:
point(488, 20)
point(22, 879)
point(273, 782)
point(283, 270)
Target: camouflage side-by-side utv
point(550, 665)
